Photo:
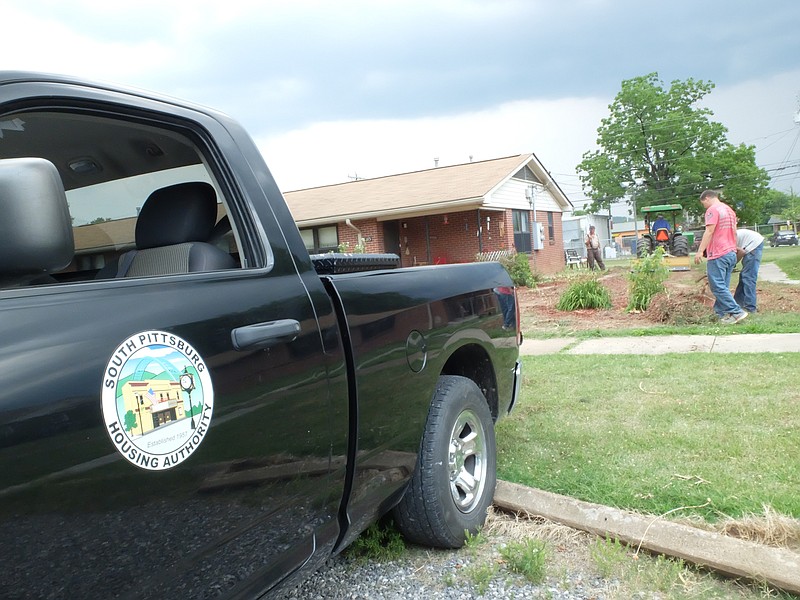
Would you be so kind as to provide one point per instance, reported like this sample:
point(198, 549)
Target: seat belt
point(125, 263)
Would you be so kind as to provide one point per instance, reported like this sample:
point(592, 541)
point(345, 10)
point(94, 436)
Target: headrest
point(35, 224)
point(184, 212)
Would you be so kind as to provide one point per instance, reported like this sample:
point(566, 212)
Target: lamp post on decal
point(187, 385)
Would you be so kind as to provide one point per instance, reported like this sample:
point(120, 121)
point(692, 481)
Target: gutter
point(388, 215)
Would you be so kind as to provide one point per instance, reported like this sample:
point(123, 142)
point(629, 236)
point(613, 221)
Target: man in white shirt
point(593, 253)
point(749, 246)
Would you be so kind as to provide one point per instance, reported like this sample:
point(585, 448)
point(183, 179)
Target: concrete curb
point(731, 556)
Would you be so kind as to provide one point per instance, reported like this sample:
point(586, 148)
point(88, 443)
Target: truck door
point(166, 428)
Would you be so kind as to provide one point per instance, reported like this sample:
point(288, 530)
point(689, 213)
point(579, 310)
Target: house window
point(522, 230)
point(320, 239)
point(551, 230)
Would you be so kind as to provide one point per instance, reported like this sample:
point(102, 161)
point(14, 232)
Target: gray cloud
point(398, 59)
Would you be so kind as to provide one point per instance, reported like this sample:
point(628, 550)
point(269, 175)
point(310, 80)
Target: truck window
point(130, 186)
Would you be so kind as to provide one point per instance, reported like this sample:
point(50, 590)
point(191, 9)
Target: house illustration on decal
point(150, 404)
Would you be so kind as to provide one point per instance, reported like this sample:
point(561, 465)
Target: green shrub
point(585, 293)
point(381, 542)
point(647, 278)
point(519, 268)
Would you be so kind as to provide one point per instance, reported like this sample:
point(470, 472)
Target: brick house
point(441, 215)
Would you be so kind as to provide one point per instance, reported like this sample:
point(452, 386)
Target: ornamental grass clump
point(647, 278)
point(584, 293)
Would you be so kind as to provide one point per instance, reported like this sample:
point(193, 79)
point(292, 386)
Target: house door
point(391, 237)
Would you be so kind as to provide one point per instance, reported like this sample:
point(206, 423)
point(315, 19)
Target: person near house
point(749, 246)
point(593, 253)
point(719, 245)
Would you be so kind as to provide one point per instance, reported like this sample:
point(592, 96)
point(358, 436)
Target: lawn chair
point(573, 257)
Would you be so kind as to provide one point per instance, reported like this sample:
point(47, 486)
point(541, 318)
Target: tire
point(680, 246)
point(644, 246)
point(454, 480)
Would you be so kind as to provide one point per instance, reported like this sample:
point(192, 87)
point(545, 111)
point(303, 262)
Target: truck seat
point(172, 235)
point(35, 224)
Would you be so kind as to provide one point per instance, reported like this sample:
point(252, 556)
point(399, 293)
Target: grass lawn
point(786, 257)
point(655, 433)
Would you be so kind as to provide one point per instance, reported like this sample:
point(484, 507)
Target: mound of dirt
point(686, 301)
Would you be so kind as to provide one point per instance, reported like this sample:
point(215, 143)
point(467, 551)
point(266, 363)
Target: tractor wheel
point(680, 246)
point(644, 246)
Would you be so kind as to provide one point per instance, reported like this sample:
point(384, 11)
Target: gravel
point(456, 574)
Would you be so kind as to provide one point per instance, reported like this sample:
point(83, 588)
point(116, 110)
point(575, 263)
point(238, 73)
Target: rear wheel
point(680, 246)
point(644, 246)
point(454, 480)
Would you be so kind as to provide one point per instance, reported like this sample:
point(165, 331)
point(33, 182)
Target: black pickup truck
point(191, 406)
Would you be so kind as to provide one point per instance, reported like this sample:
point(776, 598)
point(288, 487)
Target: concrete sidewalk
point(771, 272)
point(664, 344)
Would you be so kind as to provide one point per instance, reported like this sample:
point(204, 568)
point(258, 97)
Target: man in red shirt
point(719, 243)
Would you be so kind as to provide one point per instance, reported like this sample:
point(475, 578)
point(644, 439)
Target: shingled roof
point(443, 188)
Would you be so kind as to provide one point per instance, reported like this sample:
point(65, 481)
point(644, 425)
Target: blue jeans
point(719, 280)
point(508, 309)
point(745, 294)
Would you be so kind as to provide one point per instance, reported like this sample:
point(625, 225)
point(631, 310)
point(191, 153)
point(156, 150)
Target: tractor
point(671, 238)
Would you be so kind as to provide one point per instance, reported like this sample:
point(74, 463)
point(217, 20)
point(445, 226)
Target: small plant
point(359, 248)
point(381, 542)
point(647, 278)
point(449, 579)
point(480, 576)
point(585, 293)
point(608, 555)
point(664, 574)
point(471, 542)
point(527, 558)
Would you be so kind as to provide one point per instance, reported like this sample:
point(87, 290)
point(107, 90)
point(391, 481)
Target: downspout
point(428, 239)
point(480, 230)
point(531, 194)
point(358, 232)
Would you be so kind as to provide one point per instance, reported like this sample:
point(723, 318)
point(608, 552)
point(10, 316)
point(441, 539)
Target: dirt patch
point(686, 301)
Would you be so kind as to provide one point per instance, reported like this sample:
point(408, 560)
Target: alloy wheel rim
point(467, 461)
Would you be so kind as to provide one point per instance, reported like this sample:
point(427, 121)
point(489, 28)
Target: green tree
point(775, 202)
point(657, 146)
point(130, 421)
point(792, 210)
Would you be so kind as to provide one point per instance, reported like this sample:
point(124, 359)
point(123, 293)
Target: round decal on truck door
point(157, 399)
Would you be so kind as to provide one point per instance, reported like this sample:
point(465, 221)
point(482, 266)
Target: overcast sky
point(333, 90)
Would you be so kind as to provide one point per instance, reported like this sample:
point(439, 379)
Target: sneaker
point(728, 320)
point(740, 317)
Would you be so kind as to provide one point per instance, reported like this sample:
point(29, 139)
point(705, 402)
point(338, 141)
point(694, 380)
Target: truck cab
point(188, 407)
